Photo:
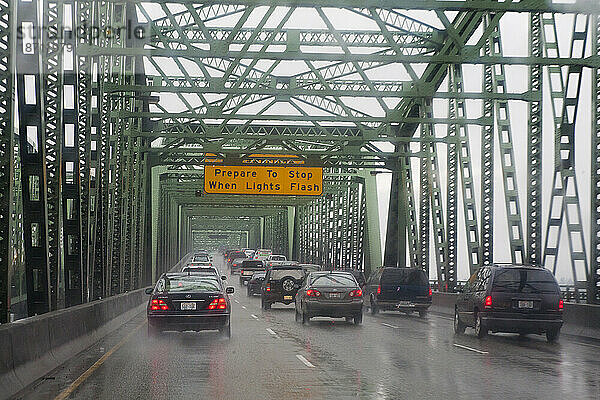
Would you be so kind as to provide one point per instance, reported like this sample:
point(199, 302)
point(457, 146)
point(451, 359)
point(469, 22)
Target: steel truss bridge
point(110, 109)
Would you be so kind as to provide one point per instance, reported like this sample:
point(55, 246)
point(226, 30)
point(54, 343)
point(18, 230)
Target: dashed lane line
point(271, 331)
point(390, 326)
point(469, 348)
point(237, 301)
point(253, 316)
point(305, 361)
point(244, 307)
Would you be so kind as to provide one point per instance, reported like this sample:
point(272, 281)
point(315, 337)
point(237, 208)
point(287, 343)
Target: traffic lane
point(402, 354)
point(254, 364)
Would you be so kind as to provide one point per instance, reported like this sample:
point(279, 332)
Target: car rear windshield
point(280, 273)
point(237, 254)
point(278, 258)
point(404, 276)
point(192, 284)
point(253, 264)
point(200, 270)
point(524, 281)
point(201, 258)
point(339, 280)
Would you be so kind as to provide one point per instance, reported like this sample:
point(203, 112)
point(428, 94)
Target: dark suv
point(402, 289)
point(510, 298)
point(281, 285)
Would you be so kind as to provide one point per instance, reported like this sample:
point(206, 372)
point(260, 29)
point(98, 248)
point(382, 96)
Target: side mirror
point(223, 278)
point(149, 290)
point(229, 290)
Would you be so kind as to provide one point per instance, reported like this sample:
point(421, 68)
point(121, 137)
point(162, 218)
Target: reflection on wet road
point(270, 356)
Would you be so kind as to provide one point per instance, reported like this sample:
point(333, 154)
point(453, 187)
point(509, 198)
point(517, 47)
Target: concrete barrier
point(32, 347)
point(579, 319)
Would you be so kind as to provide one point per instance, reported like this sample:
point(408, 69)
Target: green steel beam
point(578, 6)
point(468, 57)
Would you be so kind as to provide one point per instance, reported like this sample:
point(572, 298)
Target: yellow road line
point(68, 391)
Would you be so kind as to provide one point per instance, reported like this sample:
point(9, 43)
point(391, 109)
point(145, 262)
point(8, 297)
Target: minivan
point(400, 289)
point(510, 298)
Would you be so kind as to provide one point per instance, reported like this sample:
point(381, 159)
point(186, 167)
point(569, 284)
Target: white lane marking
point(305, 361)
point(237, 301)
point(448, 318)
point(254, 316)
point(271, 331)
point(587, 345)
point(244, 307)
point(390, 326)
point(469, 348)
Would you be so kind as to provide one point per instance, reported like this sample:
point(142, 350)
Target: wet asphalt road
point(270, 356)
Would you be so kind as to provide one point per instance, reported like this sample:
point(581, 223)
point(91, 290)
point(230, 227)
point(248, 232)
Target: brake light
point(242, 272)
point(218, 304)
point(561, 305)
point(356, 293)
point(268, 288)
point(159, 305)
point(379, 289)
point(488, 302)
point(430, 292)
point(313, 293)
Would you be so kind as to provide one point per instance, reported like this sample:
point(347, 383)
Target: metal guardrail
point(568, 291)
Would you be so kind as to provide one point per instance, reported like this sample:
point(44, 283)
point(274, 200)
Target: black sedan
point(334, 294)
point(189, 302)
point(255, 283)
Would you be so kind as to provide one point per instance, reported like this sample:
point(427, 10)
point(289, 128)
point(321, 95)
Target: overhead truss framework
point(347, 84)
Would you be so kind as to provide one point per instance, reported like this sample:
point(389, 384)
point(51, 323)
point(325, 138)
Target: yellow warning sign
point(294, 181)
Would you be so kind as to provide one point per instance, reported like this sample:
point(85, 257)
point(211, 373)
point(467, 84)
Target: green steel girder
point(6, 156)
point(303, 37)
point(468, 57)
point(579, 6)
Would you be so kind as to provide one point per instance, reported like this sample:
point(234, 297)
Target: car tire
point(226, 331)
point(358, 319)
point(552, 335)
point(305, 318)
point(480, 328)
point(265, 305)
point(459, 327)
point(374, 309)
point(422, 313)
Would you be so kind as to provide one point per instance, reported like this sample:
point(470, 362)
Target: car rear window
point(337, 280)
point(200, 270)
point(237, 254)
point(192, 284)
point(280, 273)
point(253, 263)
point(278, 258)
point(524, 281)
point(405, 276)
point(201, 258)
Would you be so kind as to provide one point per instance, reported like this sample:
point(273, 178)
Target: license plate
point(335, 295)
point(404, 304)
point(525, 303)
point(287, 297)
point(188, 306)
